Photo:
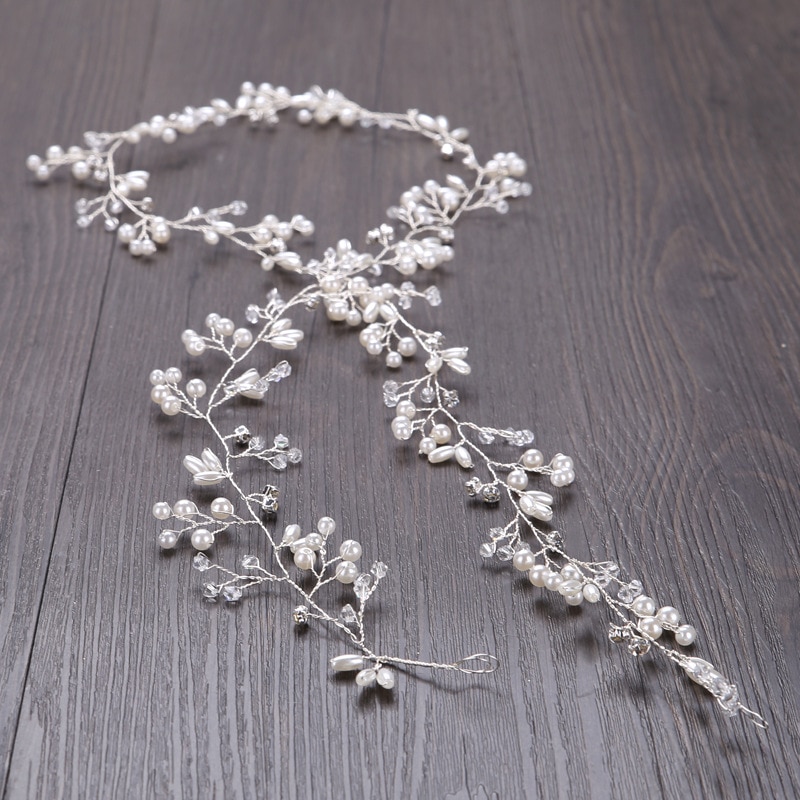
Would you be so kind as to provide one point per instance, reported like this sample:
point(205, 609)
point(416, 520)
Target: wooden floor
point(639, 312)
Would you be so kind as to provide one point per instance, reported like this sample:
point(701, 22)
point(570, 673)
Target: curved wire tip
point(754, 717)
point(489, 663)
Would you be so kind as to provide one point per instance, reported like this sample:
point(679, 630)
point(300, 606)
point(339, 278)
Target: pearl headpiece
point(344, 282)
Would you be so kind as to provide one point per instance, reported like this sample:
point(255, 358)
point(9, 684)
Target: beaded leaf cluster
point(348, 285)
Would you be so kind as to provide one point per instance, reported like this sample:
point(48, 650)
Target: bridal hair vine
point(347, 284)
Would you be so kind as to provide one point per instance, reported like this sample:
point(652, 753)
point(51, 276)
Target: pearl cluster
point(346, 283)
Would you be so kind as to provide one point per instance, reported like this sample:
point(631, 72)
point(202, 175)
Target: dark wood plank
point(638, 312)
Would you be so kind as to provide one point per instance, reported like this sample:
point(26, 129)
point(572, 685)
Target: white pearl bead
point(202, 539)
point(538, 575)
point(407, 347)
point(304, 558)
point(55, 151)
point(669, 617)
point(171, 406)
point(184, 508)
point(224, 326)
point(350, 550)
point(651, 627)
point(195, 347)
point(394, 360)
point(81, 170)
point(464, 457)
point(242, 337)
point(553, 581)
point(313, 541)
point(685, 635)
point(346, 572)
point(644, 606)
point(348, 663)
point(531, 459)
point(336, 310)
point(161, 233)
point(441, 454)
point(167, 539)
point(441, 433)
point(405, 408)
point(159, 393)
point(374, 348)
point(135, 248)
point(591, 593)
point(221, 508)
point(326, 525)
point(162, 510)
point(517, 479)
point(569, 572)
point(353, 317)
point(291, 533)
point(523, 560)
point(574, 599)
point(426, 446)
point(157, 376)
point(211, 237)
point(196, 388)
point(561, 462)
point(126, 233)
point(173, 375)
point(402, 428)
point(385, 678)
point(33, 162)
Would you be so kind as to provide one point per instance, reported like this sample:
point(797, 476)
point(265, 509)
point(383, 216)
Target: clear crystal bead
point(362, 586)
point(496, 533)
point(348, 615)
point(279, 462)
point(280, 442)
point(433, 296)
point(505, 553)
point(607, 571)
point(427, 395)
point(238, 207)
point(232, 593)
point(404, 301)
point(210, 591)
point(555, 539)
point(450, 398)
point(250, 562)
point(257, 443)
point(629, 592)
point(485, 437)
point(295, 455)
point(637, 646)
point(283, 369)
point(242, 434)
point(473, 486)
point(201, 562)
point(487, 549)
point(300, 615)
point(379, 570)
point(251, 314)
point(490, 494)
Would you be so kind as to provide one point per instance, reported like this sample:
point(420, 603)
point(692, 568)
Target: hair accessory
point(503, 467)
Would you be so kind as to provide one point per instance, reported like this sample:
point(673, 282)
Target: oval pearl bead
point(463, 457)
point(441, 454)
point(651, 627)
point(517, 479)
point(385, 678)
point(350, 550)
point(685, 635)
point(366, 677)
point(533, 508)
point(644, 606)
point(532, 459)
point(669, 617)
point(523, 560)
point(591, 593)
point(221, 508)
point(574, 599)
point(304, 558)
point(202, 539)
point(346, 572)
point(326, 525)
point(538, 575)
point(441, 433)
point(348, 663)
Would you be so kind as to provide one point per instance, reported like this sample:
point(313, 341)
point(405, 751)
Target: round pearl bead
point(202, 539)
point(407, 347)
point(426, 446)
point(314, 541)
point(394, 359)
point(523, 560)
point(242, 337)
point(644, 606)
point(171, 406)
point(184, 508)
point(441, 433)
point(225, 326)
point(195, 347)
point(195, 388)
point(81, 170)
point(574, 599)
point(221, 508)
point(291, 533)
point(158, 394)
point(161, 233)
point(167, 539)
point(374, 348)
point(405, 408)
point(517, 479)
point(569, 572)
point(126, 233)
point(553, 582)
point(651, 627)
point(211, 320)
point(538, 575)
point(669, 617)
point(350, 550)
point(346, 572)
point(591, 593)
point(157, 376)
point(304, 558)
point(353, 317)
point(685, 635)
point(162, 510)
point(173, 375)
point(531, 459)
point(326, 525)
point(211, 237)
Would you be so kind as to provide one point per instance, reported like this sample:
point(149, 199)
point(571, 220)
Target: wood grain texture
point(640, 312)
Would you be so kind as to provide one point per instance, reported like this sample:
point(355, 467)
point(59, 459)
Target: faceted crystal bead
point(450, 398)
point(348, 615)
point(485, 437)
point(555, 539)
point(279, 462)
point(250, 562)
point(404, 301)
point(505, 553)
point(379, 570)
point(433, 296)
point(473, 486)
point(637, 646)
point(490, 494)
point(283, 369)
point(281, 442)
point(257, 444)
point(242, 434)
point(295, 455)
point(200, 562)
point(608, 571)
point(362, 585)
point(210, 591)
point(629, 592)
point(232, 593)
point(496, 533)
point(487, 549)
point(427, 395)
